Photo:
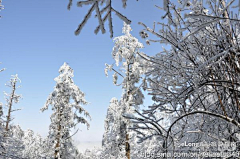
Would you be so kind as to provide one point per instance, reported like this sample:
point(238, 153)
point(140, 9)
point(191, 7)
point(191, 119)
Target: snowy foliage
point(66, 101)
point(34, 145)
point(11, 142)
point(127, 55)
point(115, 130)
point(114, 136)
point(194, 81)
point(95, 153)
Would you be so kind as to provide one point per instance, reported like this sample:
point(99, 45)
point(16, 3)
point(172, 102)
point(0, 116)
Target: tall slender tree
point(11, 135)
point(10, 99)
point(114, 134)
point(66, 101)
point(126, 52)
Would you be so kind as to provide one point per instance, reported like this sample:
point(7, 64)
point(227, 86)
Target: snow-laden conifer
point(66, 101)
point(10, 99)
point(127, 56)
point(115, 131)
point(11, 135)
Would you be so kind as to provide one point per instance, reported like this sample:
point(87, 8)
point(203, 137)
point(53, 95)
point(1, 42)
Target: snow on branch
point(87, 16)
point(1, 6)
point(209, 17)
point(202, 26)
point(2, 69)
point(69, 4)
point(100, 14)
point(194, 81)
point(228, 119)
point(210, 60)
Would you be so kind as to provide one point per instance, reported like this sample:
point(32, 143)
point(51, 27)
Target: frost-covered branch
point(198, 71)
point(1, 6)
point(2, 69)
point(95, 6)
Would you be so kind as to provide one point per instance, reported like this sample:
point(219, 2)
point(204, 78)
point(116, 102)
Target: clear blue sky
point(37, 37)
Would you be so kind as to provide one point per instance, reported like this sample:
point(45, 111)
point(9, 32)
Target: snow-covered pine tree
point(14, 146)
point(127, 51)
point(32, 145)
point(66, 101)
point(114, 134)
point(11, 141)
point(35, 146)
point(10, 99)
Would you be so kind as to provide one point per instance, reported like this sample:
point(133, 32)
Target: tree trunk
point(57, 147)
point(127, 146)
point(9, 115)
point(10, 109)
point(225, 15)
